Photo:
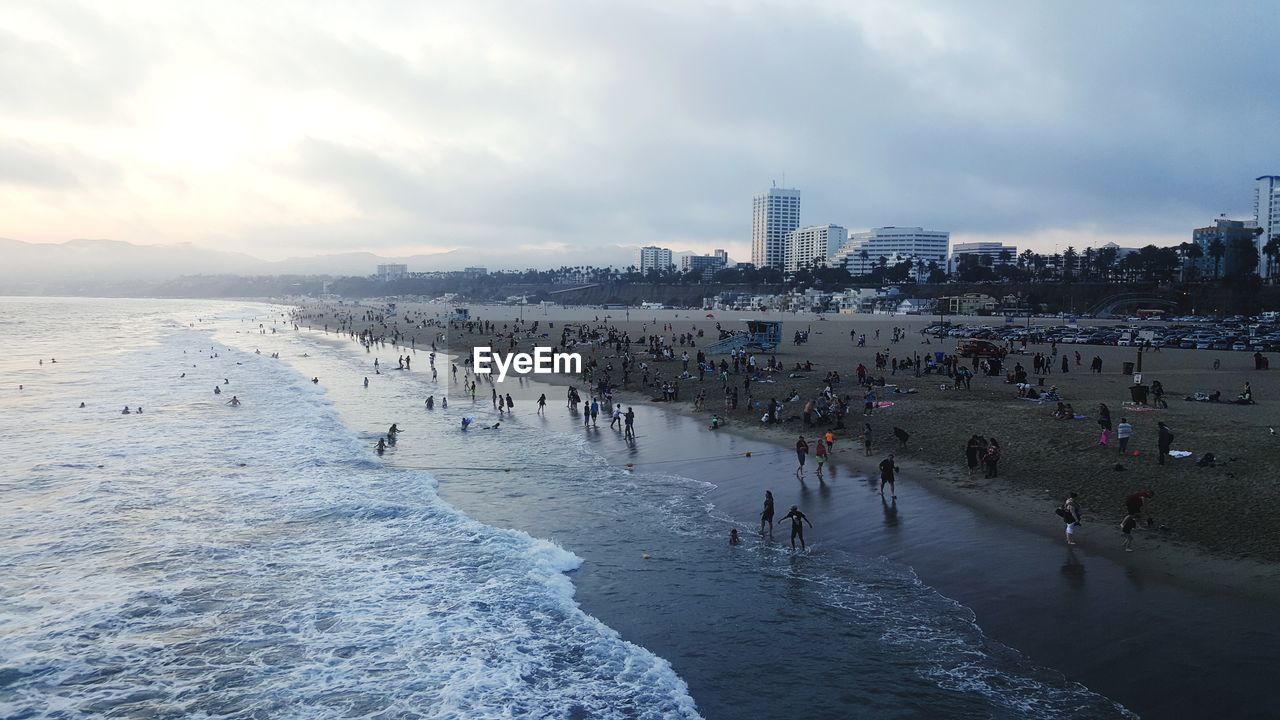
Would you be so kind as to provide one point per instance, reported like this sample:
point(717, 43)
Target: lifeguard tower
point(760, 335)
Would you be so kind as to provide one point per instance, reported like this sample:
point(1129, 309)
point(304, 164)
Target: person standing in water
point(887, 469)
point(628, 421)
point(797, 526)
point(766, 515)
point(542, 402)
point(802, 454)
point(820, 454)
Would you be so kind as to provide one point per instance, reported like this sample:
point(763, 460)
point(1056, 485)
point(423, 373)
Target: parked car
point(976, 347)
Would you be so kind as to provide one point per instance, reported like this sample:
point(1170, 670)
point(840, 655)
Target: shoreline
point(1068, 611)
point(1166, 555)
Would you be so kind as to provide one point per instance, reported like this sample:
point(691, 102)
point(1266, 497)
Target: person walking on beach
point(1123, 432)
point(866, 438)
point(615, 419)
point(887, 469)
point(595, 411)
point(802, 454)
point(628, 421)
point(1070, 514)
point(542, 402)
point(1164, 440)
point(766, 515)
point(820, 454)
point(797, 526)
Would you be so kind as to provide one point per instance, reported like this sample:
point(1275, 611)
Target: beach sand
point(1222, 524)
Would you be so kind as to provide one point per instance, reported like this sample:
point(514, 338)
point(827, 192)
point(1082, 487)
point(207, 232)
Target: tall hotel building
point(773, 214)
point(1266, 214)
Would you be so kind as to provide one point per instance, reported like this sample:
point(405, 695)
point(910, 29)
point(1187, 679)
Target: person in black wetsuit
point(766, 516)
point(797, 526)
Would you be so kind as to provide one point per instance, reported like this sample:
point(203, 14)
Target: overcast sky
point(522, 128)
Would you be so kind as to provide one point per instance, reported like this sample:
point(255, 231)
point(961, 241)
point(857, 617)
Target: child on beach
point(1126, 528)
point(733, 537)
point(820, 452)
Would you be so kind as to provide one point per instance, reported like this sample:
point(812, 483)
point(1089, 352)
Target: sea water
point(261, 561)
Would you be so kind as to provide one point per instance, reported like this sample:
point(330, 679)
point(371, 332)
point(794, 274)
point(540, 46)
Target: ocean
point(262, 561)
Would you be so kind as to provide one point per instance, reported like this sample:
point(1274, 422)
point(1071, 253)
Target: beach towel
point(1080, 417)
point(884, 404)
point(1179, 453)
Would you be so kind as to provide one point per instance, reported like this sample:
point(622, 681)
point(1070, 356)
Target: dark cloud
point(580, 123)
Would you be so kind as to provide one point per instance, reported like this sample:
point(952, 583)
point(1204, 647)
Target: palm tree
point(1272, 251)
point(1068, 262)
point(1086, 267)
point(863, 255)
point(1216, 250)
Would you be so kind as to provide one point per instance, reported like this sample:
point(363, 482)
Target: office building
point(654, 258)
point(998, 253)
point(812, 246)
point(1232, 233)
point(707, 265)
point(392, 271)
point(861, 255)
point(774, 213)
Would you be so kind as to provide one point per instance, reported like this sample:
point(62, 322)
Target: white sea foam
point(208, 561)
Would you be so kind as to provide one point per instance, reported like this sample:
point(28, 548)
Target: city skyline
point(312, 129)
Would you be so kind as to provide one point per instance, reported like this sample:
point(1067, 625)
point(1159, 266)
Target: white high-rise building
point(1266, 214)
point(774, 213)
point(863, 252)
point(654, 258)
point(813, 245)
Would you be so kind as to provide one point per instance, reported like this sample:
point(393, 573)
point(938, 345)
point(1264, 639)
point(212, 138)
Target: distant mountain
point(83, 266)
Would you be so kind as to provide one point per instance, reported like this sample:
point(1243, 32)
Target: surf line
point(554, 466)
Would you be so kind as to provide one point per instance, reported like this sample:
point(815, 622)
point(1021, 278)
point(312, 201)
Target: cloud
point(288, 127)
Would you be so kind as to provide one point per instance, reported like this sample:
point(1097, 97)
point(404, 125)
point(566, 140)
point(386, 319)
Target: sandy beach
point(1210, 525)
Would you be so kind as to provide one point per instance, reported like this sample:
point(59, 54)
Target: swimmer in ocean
point(381, 447)
point(126, 410)
point(444, 402)
point(733, 537)
point(366, 382)
point(466, 422)
point(217, 390)
point(234, 401)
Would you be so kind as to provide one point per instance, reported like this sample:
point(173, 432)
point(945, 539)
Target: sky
point(532, 132)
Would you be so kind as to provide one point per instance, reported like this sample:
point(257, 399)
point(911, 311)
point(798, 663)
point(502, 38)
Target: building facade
point(392, 271)
point(861, 255)
point(812, 246)
point(654, 258)
point(999, 253)
point(707, 265)
point(1231, 233)
point(774, 213)
point(1266, 214)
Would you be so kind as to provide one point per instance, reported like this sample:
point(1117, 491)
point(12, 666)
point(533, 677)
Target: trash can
point(1126, 368)
point(1139, 393)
